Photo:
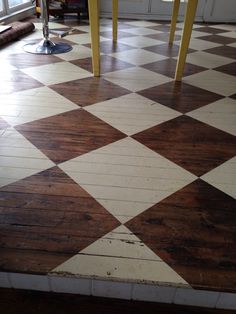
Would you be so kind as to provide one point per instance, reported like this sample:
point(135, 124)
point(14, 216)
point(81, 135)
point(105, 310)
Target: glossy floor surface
point(129, 176)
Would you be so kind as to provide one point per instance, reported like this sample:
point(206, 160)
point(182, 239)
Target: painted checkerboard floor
point(128, 177)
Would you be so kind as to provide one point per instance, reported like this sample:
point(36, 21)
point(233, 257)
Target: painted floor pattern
point(127, 177)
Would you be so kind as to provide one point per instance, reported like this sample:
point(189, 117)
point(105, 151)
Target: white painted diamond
point(132, 113)
point(33, 104)
point(55, 73)
point(126, 177)
point(223, 177)
point(220, 114)
point(19, 158)
point(136, 78)
point(121, 255)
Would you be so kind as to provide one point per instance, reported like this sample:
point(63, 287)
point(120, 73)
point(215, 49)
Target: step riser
point(119, 290)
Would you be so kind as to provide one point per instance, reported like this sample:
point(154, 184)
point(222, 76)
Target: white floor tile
point(36, 35)
point(13, 48)
point(140, 41)
point(136, 78)
point(19, 158)
point(52, 25)
point(56, 73)
point(227, 27)
point(86, 28)
point(195, 33)
point(124, 210)
point(142, 23)
point(105, 267)
point(220, 114)
point(207, 60)
point(181, 25)
point(82, 39)
point(127, 176)
point(199, 44)
point(143, 31)
point(6, 67)
point(106, 21)
point(121, 242)
point(33, 104)
point(138, 56)
point(232, 45)
point(78, 52)
point(223, 177)
point(213, 81)
point(230, 34)
point(132, 113)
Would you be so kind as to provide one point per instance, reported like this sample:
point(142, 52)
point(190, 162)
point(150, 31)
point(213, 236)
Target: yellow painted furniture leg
point(115, 19)
point(174, 18)
point(95, 40)
point(187, 31)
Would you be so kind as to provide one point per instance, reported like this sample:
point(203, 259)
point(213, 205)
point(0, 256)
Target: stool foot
point(47, 47)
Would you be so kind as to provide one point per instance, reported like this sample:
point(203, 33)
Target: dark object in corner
point(17, 30)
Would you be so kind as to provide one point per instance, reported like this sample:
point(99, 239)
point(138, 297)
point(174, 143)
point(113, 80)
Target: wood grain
point(90, 90)
point(108, 64)
point(68, 135)
point(46, 219)
point(194, 232)
point(178, 95)
point(167, 67)
point(193, 145)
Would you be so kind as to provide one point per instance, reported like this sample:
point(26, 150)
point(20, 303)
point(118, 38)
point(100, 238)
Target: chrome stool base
point(47, 47)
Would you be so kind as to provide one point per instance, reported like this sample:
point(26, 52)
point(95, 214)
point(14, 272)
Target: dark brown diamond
point(90, 90)
point(69, 135)
point(178, 95)
point(46, 219)
point(193, 231)
point(191, 144)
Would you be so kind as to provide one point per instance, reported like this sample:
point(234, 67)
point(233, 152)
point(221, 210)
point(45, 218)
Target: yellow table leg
point(115, 18)
point(95, 40)
point(174, 20)
point(188, 25)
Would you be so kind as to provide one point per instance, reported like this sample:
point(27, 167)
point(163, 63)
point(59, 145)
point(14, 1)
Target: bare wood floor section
point(88, 91)
point(190, 144)
point(69, 134)
point(178, 95)
point(15, 80)
point(46, 219)
point(196, 240)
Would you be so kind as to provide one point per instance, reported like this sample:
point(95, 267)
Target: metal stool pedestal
point(46, 46)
